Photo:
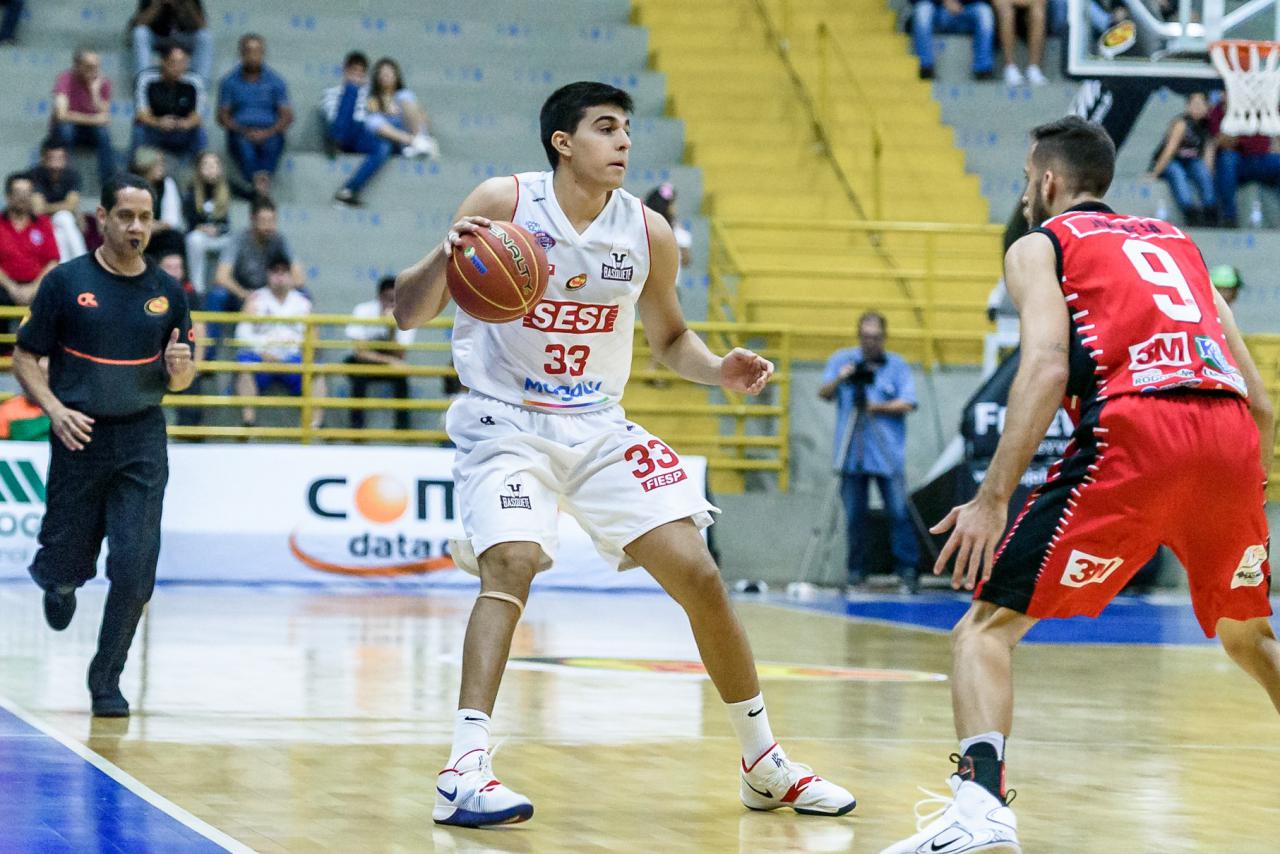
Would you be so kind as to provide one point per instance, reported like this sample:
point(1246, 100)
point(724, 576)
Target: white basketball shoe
point(468, 795)
point(972, 819)
point(774, 781)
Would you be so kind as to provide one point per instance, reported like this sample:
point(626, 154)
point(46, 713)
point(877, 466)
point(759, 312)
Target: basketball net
point(1251, 70)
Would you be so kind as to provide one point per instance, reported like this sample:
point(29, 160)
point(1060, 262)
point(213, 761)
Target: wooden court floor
point(308, 721)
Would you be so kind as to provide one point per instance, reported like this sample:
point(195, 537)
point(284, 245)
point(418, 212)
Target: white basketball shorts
point(517, 468)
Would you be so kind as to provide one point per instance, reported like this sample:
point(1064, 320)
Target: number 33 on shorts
point(650, 457)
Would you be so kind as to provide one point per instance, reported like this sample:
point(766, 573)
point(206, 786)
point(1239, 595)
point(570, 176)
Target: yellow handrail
point(752, 436)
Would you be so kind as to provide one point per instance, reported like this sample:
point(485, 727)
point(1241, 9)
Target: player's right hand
point(74, 429)
point(466, 225)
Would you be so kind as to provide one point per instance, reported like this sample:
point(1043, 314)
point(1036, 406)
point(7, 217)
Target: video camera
point(863, 375)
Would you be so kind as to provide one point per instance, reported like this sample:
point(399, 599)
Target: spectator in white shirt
point(390, 352)
point(273, 342)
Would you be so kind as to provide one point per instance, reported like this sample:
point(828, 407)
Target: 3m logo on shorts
point(574, 318)
point(665, 479)
point(1164, 348)
point(1085, 569)
point(1249, 573)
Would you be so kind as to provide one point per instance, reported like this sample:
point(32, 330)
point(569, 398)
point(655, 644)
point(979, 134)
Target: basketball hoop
point(1251, 70)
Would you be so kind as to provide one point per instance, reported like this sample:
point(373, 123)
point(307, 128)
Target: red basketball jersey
point(1142, 309)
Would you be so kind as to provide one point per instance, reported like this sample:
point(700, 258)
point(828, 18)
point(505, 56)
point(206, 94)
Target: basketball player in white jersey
point(542, 427)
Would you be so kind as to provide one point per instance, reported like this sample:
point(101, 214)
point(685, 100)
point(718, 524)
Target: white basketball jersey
point(572, 353)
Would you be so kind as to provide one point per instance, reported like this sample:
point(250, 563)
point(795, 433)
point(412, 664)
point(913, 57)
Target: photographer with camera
point(874, 391)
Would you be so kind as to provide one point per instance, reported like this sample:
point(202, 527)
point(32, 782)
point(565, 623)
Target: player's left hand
point(978, 527)
point(744, 371)
point(177, 355)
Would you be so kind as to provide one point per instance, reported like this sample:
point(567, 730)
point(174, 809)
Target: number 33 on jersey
point(572, 353)
point(1142, 306)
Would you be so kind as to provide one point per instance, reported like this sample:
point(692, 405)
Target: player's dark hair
point(567, 106)
point(52, 143)
point(123, 181)
point(260, 203)
point(356, 57)
point(249, 37)
point(386, 283)
point(167, 49)
point(279, 259)
point(1081, 149)
point(877, 317)
point(13, 178)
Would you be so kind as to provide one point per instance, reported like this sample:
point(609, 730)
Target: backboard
point(1166, 40)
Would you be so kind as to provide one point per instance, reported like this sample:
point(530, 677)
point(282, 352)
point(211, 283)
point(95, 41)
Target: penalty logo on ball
point(517, 257)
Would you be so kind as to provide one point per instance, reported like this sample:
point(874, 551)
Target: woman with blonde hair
point(207, 205)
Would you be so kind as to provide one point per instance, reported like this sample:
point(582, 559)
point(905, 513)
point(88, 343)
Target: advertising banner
point(295, 513)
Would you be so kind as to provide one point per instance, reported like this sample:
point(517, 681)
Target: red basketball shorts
point(1177, 469)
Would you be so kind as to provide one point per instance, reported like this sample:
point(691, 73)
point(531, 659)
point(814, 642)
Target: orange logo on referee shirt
point(157, 306)
point(87, 299)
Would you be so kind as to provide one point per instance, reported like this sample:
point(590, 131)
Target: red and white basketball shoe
point(774, 781)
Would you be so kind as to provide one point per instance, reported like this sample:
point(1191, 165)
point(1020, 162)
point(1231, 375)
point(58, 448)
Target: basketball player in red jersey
point(1119, 319)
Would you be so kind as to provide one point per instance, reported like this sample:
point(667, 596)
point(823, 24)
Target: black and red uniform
point(105, 336)
point(1165, 450)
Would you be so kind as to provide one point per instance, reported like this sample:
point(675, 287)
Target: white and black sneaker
point(972, 819)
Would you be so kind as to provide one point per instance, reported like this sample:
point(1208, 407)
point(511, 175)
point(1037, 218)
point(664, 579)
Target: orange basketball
point(497, 274)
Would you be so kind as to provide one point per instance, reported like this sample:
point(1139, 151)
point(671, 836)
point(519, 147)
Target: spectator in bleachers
point(160, 23)
point(662, 200)
point(344, 106)
point(1236, 160)
point(82, 110)
point(9, 21)
point(944, 17)
point(345, 110)
point(1006, 14)
point(243, 265)
point(874, 392)
point(395, 114)
point(28, 249)
point(168, 104)
point(168, 230)
point(253, 106)
point(57, 196)
point(275, 343)
point(1228, 282)
point(362, 333)
point(173, 264)
point(1180, 162)
point(207, 210)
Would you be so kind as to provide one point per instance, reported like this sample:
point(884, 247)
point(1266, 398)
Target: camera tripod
point(815, 560)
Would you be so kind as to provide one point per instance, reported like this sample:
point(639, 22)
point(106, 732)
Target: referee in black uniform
point(118, 336)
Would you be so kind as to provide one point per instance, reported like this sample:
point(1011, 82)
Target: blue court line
point(59, 797)
point(1127, 620)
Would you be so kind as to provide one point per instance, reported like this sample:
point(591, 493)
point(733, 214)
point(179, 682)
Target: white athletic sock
point(470, 731)
point(751, 723)
point(995, 739)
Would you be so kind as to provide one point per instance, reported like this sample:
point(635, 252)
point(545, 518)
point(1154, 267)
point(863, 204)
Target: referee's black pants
point(114, 487)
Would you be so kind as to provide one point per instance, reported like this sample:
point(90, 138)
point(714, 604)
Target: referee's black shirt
point(105, 335)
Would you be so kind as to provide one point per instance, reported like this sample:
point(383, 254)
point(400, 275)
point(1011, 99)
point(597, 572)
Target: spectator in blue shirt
point(253, 105)
point(947, 17)
point(869, 376)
